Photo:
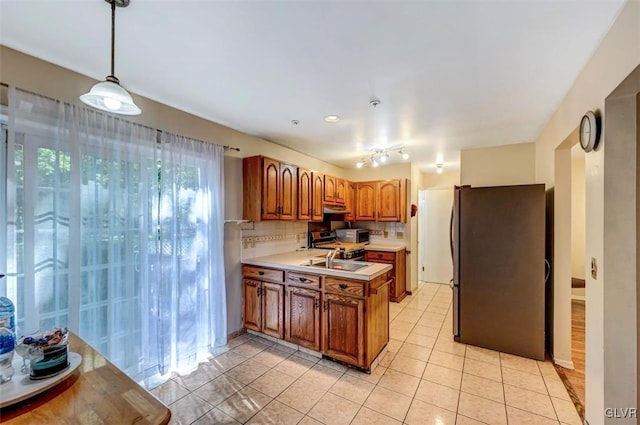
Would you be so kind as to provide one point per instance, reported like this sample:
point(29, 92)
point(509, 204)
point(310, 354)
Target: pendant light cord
point(113, 35)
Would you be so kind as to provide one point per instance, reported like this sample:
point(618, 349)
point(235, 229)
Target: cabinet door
point(343, 328)
point(303, 317)
point(365, 201)
point(273, 309)
point(330, 189)
point(317, 194)
point(305, 199)
point(388, 200)
point(251, 305)
point(350, 202)
point(270, 189)
point(341, 191)
point(288, 192)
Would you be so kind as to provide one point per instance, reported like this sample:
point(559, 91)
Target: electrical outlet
point(252, 242)
point(594, 268)
point(385, 234)
point(245, 243)
point(400, 235)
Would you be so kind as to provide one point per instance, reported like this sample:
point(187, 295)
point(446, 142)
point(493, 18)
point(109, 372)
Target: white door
point(435, 252)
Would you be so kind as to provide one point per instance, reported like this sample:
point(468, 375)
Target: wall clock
point(590, 128)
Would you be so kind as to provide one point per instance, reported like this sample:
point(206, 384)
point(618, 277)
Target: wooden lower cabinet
point(397, 275)
point(252, 307)
point(345, 319)
point(302, 313)
point(273, 309)
point(263, 309)
point(343, 328)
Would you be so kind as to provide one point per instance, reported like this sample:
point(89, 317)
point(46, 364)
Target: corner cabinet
point(397, 275)
point(383, 201)
point(270, 189)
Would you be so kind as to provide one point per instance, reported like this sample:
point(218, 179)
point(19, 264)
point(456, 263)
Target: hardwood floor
point(574, 379)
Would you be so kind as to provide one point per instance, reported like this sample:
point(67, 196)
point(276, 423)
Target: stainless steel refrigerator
point(497, 245)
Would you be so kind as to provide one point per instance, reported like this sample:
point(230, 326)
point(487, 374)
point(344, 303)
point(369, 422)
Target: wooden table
point(96, 393)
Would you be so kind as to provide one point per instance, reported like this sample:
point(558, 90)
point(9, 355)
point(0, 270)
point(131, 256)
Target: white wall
point(613, 60)
point(498, 166)
point(577, 212)
point(435, 253)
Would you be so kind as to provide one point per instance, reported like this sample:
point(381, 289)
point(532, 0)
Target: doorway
point(434, 250)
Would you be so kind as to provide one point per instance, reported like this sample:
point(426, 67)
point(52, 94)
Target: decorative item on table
point(7, 338)
point(7, 347)
point(47, 352)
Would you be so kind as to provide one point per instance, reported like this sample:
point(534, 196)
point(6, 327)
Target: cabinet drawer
point(263, 273)
point(343, 286)
point(379, 255)
point(303, 279)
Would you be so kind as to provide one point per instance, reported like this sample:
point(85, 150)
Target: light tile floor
point(425, 378)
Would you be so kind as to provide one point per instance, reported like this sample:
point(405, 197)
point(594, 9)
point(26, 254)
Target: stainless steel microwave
point(353, 235)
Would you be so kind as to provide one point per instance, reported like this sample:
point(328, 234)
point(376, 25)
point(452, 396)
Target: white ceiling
point(450, 74)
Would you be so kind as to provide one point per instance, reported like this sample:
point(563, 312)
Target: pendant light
point(109, 95)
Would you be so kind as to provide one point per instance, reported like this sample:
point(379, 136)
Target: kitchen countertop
point(384, 247)
point(294, 261)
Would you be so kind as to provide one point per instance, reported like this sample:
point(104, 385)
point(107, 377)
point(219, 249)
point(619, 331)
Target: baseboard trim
point(236, 334)
point(567, 364)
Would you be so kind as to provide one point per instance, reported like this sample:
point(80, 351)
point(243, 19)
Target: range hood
point(335, 209)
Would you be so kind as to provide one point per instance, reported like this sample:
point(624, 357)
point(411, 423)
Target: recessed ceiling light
point(332, 118)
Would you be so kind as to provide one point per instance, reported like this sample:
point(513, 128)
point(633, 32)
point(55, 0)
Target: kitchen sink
point(350, 266)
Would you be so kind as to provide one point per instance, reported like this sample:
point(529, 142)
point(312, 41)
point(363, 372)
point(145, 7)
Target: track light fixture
point(109, 95)
point(381, 156)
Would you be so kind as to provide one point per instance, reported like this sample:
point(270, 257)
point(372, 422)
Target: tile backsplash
point(383, 232)
point(273, 237)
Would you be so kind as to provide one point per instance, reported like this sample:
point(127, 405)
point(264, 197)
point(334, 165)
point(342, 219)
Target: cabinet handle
point(261, 273)
point(379, 255)
point(317, 305)
point(324, 306)
point(259, 291)
point(343, 286)
point(304, 280)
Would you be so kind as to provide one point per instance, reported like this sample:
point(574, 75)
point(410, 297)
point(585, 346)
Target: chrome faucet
point(331, 255)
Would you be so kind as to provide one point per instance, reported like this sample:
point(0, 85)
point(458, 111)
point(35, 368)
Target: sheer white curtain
point(114, 235)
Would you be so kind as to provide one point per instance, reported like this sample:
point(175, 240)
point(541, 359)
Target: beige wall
point(613, 60)
point(440, 181)
point(383, 172)
point(577, 212)
point(498, 166)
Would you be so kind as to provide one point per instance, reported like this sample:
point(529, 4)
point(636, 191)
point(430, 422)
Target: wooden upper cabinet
point(270, 189)
point(317, 196)
point(270, 186)
point(330, 189)
point(341, 191)
point(388, 198)
point(350, 202)
point(343, 328)
point(381, 200)
point(288, 192)
point(305, 198)
point(366, 201)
